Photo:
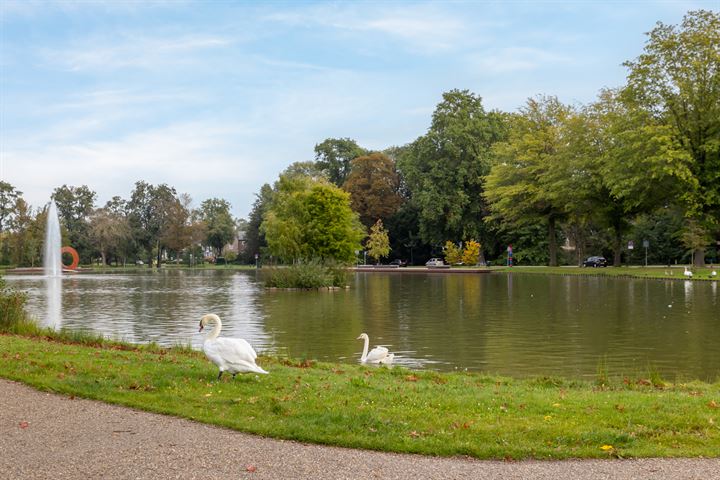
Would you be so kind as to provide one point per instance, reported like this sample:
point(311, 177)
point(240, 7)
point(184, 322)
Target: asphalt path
point(49, 436)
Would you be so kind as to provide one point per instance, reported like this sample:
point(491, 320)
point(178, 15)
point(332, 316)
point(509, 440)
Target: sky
point(216, 98)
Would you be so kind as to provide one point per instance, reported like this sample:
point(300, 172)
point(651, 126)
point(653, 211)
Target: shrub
point(12, 306)
point(310, 274)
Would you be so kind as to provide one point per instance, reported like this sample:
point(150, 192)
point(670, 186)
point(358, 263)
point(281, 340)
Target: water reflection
point(508, 324)
point(53, 298)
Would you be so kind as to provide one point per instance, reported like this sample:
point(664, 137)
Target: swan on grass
point(233, 355)
point(376, 355)
point(687, 273)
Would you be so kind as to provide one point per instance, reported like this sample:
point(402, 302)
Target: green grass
point(672, 273)
point(379, 408)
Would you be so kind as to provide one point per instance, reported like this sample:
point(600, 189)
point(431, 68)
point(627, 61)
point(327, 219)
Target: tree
point(677, 80)
point(108, 231)
point(219, 224)
point(9, 196)
point(445, 169)
point(28, 233)
point(632, 164)
point(378, 244)
point(8, 199)
point(471, 253)
point(373, 184)
point(310, 219)
point(453, 254)
point(333, 157)
point(254, 237)
point(527, 182)
point(148, 215)
point(177, 234)
point(75, 205)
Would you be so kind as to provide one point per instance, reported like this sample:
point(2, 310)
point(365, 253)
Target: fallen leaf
point(251, 468)
point(411, 378)
point(607, 447)
point(208, 394)
point(713, 404)
point(23, 424)
point(414, 434)
point(548, 417)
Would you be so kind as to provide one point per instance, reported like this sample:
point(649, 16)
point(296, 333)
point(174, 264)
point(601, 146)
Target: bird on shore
point(376, 355)
point(234, 355)
point(687, 272)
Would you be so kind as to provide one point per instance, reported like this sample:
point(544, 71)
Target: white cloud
point(132, 51)
point(422, 28)
point(514, 59)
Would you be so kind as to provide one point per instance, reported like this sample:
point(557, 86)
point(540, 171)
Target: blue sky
point(216, 98)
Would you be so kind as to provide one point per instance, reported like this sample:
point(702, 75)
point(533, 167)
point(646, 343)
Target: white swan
point(376, 355)
point(687, 273)
point(387, 360)
point(234, 355)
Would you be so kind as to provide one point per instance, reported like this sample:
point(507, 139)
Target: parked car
point(595, 262)
point(398, 262)
point(434, 262)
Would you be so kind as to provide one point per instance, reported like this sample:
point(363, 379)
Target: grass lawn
point(673, 273)
point(390, 409)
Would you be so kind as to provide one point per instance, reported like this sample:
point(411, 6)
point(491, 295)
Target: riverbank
point(386, 409)
point(675, 272)
point(56, 436)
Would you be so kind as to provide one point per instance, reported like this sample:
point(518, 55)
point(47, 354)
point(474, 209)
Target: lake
point(511, 324)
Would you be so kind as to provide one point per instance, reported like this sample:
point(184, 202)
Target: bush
point(12, 307)
point(310, 274)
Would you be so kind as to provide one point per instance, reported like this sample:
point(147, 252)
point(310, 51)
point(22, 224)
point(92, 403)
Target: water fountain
point(52, 261)
point(53, 267)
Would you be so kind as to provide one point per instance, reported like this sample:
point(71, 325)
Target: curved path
point(50, 436)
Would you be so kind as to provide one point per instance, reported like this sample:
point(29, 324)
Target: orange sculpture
point(75, 257)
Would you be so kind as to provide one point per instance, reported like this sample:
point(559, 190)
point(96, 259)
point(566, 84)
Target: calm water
point(509, 324)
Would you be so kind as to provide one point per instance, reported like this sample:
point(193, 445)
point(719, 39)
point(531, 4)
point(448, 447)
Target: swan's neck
point(215, 331)
point(365, 349)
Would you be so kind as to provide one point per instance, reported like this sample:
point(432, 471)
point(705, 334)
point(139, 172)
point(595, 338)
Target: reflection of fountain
point(52, 263)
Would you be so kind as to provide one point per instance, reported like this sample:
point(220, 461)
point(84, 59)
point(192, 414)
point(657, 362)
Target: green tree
point(310, 219)
point(254, 237)
point(108, 231)
point(527, 183)
point(677, 80)
point(9, 196)
point(220, 226)
point(444, 170)
point(148, 212)
point(378, 243)
point(75, 206)
point(453, 254)
point(177, 234)
point(631, 163)
point(373, 184)
point(333, 157)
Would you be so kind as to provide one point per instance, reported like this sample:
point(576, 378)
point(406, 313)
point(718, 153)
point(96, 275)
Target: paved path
point(50, 436)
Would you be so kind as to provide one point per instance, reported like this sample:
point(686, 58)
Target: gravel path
point(55, 437)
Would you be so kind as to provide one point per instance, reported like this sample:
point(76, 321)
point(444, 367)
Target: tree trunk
point(617, 248)
point(552, 241)
point(699, 257)
point(102, 254)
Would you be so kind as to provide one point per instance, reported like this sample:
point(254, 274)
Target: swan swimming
point(234, 355)
point(376, 355)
